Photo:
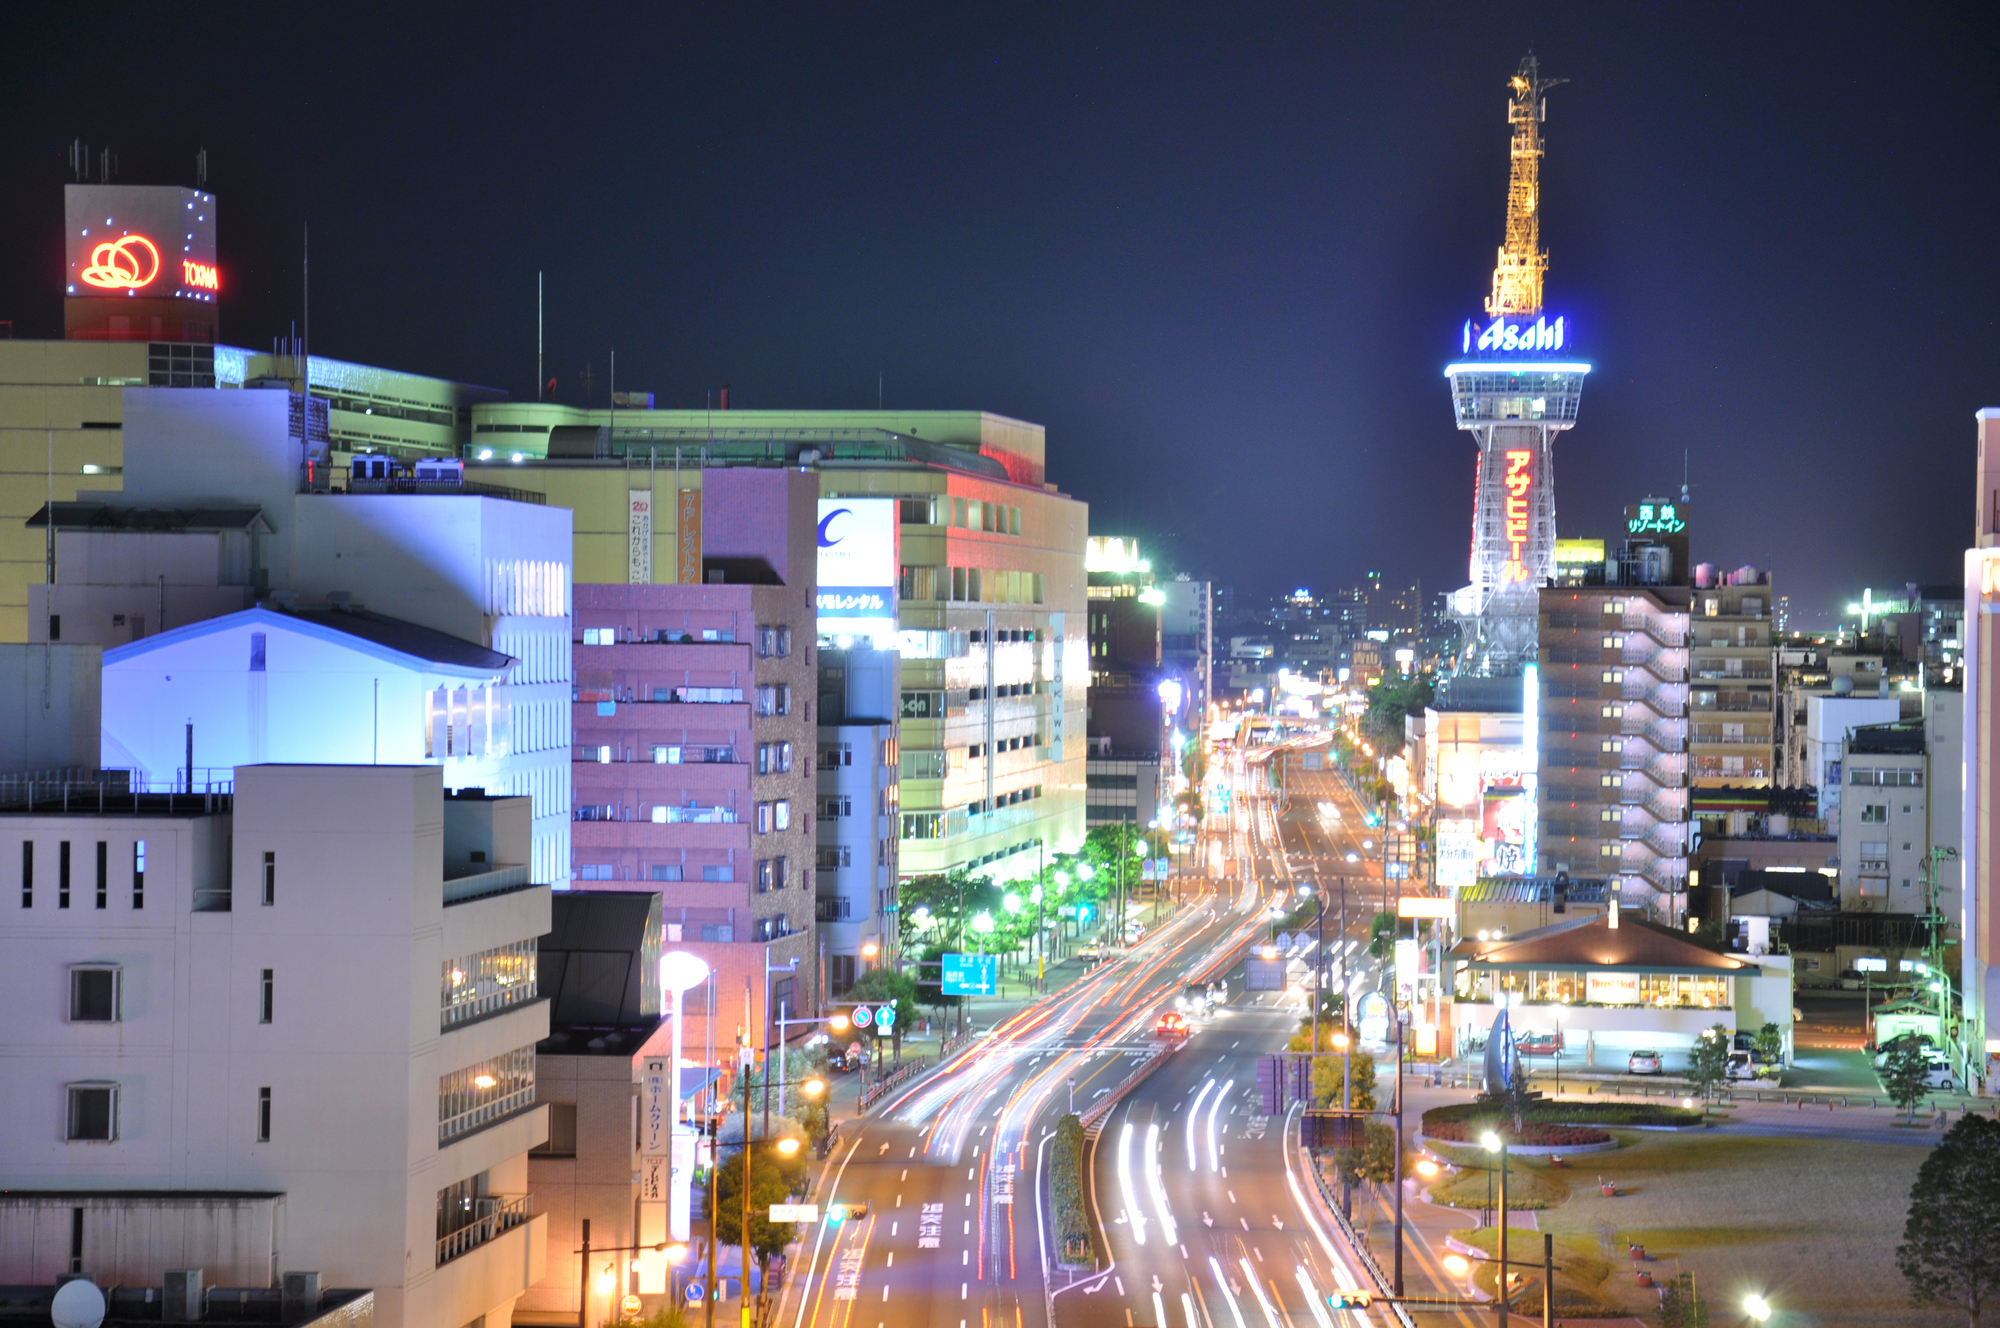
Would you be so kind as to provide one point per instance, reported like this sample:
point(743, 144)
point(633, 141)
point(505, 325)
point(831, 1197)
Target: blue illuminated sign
point(1513, 335)
point(971, 975)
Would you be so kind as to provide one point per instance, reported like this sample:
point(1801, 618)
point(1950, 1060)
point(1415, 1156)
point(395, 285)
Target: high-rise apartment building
point(1731, 693)
point(1187, 640)
point(1980, 928)
point(1612, 736)
point(859, 810)
point(290, 1029)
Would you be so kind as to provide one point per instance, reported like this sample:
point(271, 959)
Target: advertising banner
point(1458, 854)
point(1611, 988)
point(857, 566)
point(687, 538)
point(125, 241)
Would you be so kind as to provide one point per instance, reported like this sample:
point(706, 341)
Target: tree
point(929, 982)
point(1382, 936)
point(1708, 1061)
point(1388, 702)
point(1770, 1044)
point(1329, 1088)
point(1516, 1097)
point(1904, 1073)
point(1950, 1253)
point(670, 1315)
point(773, 1178)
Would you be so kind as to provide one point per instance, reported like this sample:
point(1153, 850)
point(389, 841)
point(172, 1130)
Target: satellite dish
point(78, 1304)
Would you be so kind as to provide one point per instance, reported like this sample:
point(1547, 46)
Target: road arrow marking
point(1207, 1221)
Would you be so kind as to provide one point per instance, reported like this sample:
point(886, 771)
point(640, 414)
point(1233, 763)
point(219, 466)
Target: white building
point(1829, 719)
point(854, 877)
point(225, 506)
point(293, 1033)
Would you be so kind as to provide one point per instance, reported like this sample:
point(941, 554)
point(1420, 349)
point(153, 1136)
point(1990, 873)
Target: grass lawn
point(1810, 1225)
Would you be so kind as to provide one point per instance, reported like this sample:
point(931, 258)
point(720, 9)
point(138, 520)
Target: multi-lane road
point(1203, 1215)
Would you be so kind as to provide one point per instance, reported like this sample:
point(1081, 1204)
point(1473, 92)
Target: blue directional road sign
point(694, 1292)
point(971, 975)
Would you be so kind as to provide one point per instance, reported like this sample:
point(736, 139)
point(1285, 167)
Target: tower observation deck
point(1517, 385)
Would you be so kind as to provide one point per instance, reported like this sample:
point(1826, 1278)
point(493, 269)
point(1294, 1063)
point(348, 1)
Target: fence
point(909, 1070)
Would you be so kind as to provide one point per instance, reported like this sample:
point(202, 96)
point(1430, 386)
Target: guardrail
point(909, 1070)
point(503, 1215)
point(1354, 1240)
point(1093, 1119)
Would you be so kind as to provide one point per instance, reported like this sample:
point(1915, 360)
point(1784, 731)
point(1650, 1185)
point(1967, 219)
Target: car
point(845, 1212)
point(1938, 1075)
point(1919, 1040)
point(1196, 998)
point(1134, 930)
point(1740, 1066)
point(1645, 1062)
point(1173, 1026)
point(1850, 980)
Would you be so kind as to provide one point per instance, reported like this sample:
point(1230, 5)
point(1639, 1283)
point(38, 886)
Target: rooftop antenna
point(878, 389)
point(107, 166)
point(538, 337)
point(201, 169)
point(79, 159)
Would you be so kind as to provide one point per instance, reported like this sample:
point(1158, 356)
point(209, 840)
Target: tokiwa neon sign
point(199, 274)
point(126, 263)
point(1519, 479)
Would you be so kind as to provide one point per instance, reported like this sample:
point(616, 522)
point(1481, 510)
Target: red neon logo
point(123, 264)
point(1518, 480)
point(199, 274)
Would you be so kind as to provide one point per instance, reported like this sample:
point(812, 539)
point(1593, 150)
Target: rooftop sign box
point(123, 241)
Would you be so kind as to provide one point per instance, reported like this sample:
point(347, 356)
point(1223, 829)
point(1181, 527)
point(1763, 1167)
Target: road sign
point(862, 1016)
point(885, 1018)
point(1416, 906)
point(971, 975)
point(795, 1212)
point(1283, 940)
point(1333, 1129)
point(694, 1292)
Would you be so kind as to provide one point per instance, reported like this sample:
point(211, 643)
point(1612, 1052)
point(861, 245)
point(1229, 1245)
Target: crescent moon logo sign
point(123, 264)
point(827, 541)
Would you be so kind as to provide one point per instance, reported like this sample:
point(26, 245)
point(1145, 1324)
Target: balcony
point(1709, 670)
point(832, 908)
point(495, 1215)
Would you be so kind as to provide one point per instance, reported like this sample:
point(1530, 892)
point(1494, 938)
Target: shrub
point(1568, 1113)
point(1066, 1186)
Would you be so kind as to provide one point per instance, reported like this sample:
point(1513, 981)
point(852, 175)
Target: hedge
point(1066, 1184)
point(1565, 1113)
point(1543, 1133)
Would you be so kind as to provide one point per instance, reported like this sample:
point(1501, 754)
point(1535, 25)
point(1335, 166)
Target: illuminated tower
point(1514, 390)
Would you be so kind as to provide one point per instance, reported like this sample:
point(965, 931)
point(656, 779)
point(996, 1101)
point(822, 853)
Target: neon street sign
point(1518, 480)
point(199, 274)
point(1504, 335)
point(123, 264)
point(1656, 519)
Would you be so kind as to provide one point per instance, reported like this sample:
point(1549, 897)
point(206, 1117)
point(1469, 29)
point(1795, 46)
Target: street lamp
point(1756, 1308)
point(787, 1146)
point(680, 972)
point(1491, 1142)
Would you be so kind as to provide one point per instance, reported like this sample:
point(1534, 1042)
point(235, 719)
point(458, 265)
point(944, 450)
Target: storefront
point(1588, 992)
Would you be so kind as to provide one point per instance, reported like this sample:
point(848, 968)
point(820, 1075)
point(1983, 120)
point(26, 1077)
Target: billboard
point(857, 568)
point(125, 241)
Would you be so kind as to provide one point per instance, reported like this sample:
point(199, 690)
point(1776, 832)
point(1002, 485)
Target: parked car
point(1091, 954)
point(1644, 1062)
point(1938, 1075)
point(1919, 1040)
point(1850, 980)
point(1740, 1066)
point(1133, 931)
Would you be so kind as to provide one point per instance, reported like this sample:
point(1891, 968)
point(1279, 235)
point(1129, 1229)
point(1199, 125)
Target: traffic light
point(1350, 1300)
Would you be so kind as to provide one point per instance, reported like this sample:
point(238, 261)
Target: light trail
point(1132, 1211)
point(1167, 1228)
point(1194, 1112)
point(1214, 1113)
point(1250, 1275)
point(1222, 1285)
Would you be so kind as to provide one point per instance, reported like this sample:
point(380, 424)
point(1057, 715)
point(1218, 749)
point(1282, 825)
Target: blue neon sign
point(1513, 335)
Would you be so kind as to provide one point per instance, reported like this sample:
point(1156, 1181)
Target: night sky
point(1222, 252)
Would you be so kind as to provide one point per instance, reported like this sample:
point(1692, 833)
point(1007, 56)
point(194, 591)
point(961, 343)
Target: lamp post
point(1491, 1141)
point(680, 972)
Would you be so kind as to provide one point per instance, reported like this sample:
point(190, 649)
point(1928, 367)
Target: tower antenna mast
point(1517, 276)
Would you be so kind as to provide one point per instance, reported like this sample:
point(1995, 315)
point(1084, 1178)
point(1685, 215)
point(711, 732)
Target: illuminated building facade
point(990, 588)
point(1979, 921)
point(1129, 716)
point(1517, 386)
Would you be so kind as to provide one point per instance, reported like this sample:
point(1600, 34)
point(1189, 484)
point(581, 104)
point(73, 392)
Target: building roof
point(1528, 890)
point(103, 516)
point(1805, 886)
point(590, 967)
point(408, 644)
point(1887, 740)
point(1634, 945)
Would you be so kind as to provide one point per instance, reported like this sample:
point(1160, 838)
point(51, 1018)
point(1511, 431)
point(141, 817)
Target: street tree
point(1708, 1061)
point(1770, 1044)
point(1329, 1086)
point(1904, 1073)
point(1680, 1305)
point(929, 982)
point(773, 1179)
point(1950, 1253)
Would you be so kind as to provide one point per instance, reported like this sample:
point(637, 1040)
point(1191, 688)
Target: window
point(1612, 745)
point(715, 873)
point(784, 756)
point(1609, 851)
point(831, 807)
point(93, 994)
point(717, 931)
point(600, 636)
point(836, 754)
point(27, 873)
point(781, 814)
point(784, 642)
point(103, 874)
point(257, 652)
point(1614, 642)
point(923, 705)
point(829, 858)
point(763, 818)
point(596, 871)
point(93, 1113)
point(1611, 814)
point(1614, 712)
point(263, 1115)
point(661, 871)
point(139, 874)
point(264, 995)
point(1874, 814)
point(486, 981)
point(1614, 606)
point(764, 876)
point(779, 873)
point(923, 825)
point(480, 1094)
point(767, 700)
point(562, 1132)
point(62, 875)
point(913, 511)
point(1614, 675)
point(767, 642)
point(270, 879)
point(1611, 781)
point(784, 698)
